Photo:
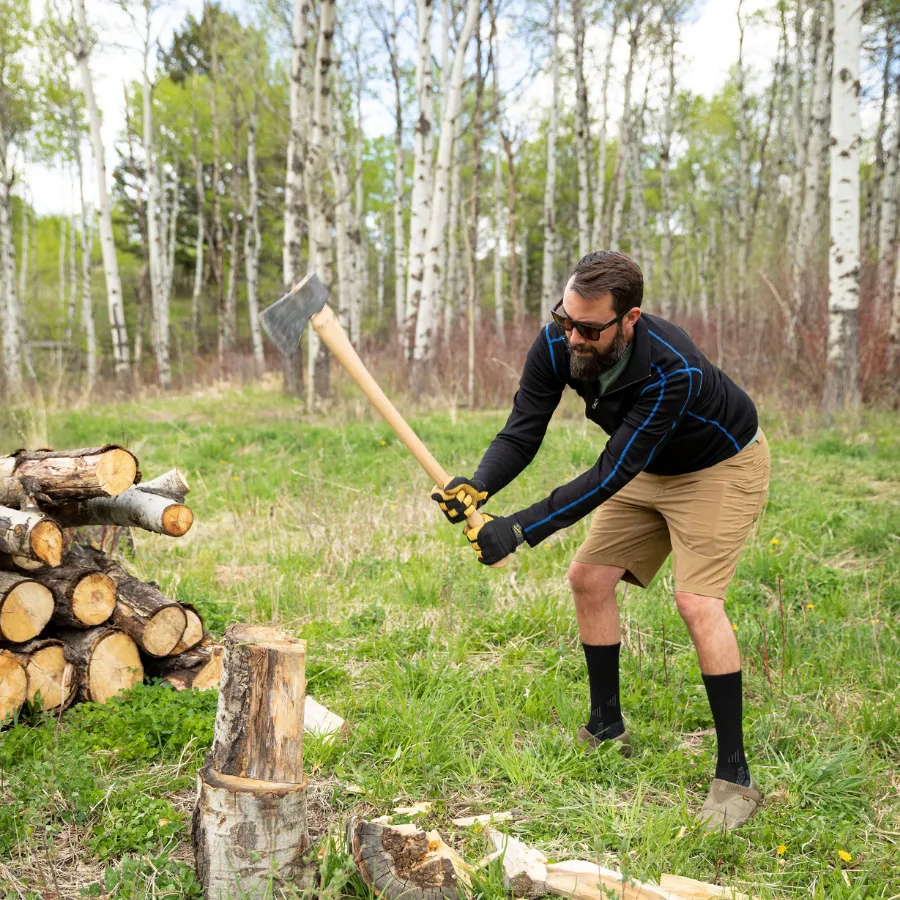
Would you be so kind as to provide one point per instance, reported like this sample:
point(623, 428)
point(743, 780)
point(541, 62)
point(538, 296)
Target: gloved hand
point(496, 538)
point(460, 498)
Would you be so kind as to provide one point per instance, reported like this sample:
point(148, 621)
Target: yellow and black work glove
point(460, 498)
point(496, 539)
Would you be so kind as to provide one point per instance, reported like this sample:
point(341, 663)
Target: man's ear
point(633, 315)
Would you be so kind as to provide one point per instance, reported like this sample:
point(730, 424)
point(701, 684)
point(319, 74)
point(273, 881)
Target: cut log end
point(26, 610)
point(177, 520)
point(47, 542)
point(193, 632)
point(13, 685)
point(51, 678)
point(94, 599)
point(115, 665)
point(164, 630)
point(116, 471)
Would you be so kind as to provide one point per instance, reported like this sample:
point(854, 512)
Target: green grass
point(465, 685)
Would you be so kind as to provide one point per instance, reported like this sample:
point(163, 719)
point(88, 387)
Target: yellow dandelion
point(399, 490)
point(234, 478)
point(232, 440)
point(393, 507)
point(163, 822)
point(821, 621)
point(774, 542)
point(383, 443)
point(734, 627)
point(810, 605)
point(845, 856)
point(781, 849)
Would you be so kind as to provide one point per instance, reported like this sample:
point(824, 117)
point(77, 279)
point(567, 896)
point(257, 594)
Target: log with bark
point(193, 630)
point(25, 607)
point(107, 661)
point(13, 685)
point(142, 611)
point(259, 720)
point(199, 668)
point(156, 506)
point(57, 476)
point(405, 861)
point(82, 596)
point(248, 832)
point(51, 677)
point(30, 535)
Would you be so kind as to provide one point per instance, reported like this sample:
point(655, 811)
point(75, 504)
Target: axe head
point(286, 318)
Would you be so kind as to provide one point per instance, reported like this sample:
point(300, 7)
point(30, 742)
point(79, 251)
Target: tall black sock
point(725, 693)
point(603, 676)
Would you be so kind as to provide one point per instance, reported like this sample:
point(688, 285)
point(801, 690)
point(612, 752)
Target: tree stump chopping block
point(246, 832)
point(259, 719)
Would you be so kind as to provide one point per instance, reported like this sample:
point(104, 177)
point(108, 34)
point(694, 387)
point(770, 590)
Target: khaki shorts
point(702, 519)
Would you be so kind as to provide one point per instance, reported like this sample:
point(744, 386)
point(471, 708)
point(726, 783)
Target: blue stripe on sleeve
point(652, 333)
point(714, 422)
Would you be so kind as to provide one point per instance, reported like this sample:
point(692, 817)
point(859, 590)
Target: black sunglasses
point(588, 332)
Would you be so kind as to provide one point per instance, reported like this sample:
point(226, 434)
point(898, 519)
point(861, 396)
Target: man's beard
point(591, 365)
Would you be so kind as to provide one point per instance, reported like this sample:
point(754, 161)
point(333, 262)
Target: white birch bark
point(887, 219)
point(87, 309)
point(342, 219)
point(422, 174)
point(893, 348)
point(498, 181)
point(379, 275)
point(800, 128)
point(314, 171)
point(743, 199)
point(638, 202)
point(252, 242)
point(118, 329)
point(231, 326)
point(582, 134)
point(357, 234)
point(63, 238)
point(437, 227)
point(634, 34)
point(12, 338)
point(73, 267)
point(843, 270)
point(452, 305)
point(598, 234)
point(548, 283)
point(665, 194)
point(23, 264)
point(390, 39)
point(293, 181)
point(198, 246)
point(873, 206)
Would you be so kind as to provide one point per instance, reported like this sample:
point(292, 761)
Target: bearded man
point(685, 471)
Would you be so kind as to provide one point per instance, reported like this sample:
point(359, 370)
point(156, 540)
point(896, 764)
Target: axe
point(307, 301)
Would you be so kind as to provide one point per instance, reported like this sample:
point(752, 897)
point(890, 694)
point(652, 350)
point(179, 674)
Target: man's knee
point(595, 582)
point(695, 609)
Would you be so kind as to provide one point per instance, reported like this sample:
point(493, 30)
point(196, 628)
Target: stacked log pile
point(74, 624)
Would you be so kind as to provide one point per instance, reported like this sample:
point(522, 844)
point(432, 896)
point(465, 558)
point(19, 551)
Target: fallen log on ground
point(82, 596)
point(25, 607)
point(13, 686)
point(199, 668)
point(51, 677)
point(106, 659)
point(405, 861)
point(29, 534)
point(57, 476)
point(156, 506)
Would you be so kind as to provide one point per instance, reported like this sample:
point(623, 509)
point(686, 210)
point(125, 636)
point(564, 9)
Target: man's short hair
point(608, 272)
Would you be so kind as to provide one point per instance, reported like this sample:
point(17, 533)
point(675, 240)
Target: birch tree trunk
point(498, 180)
point(12, 361)
point(73, 268)
point(473, 303)
point(800, 130)
point(887, 220)
point(665, 196)
point(253, 241)
point(218, 235)
point(154, 239)
point(316, 198)
point(582, 134)
point(342, 215)
point(437, 228)
point(233, 264)
point(634, 35)
point(548, 283)
point(873, 201)
point(87, 308)
point(841, 387)
point(893, 349)
point(422, 176)
point(743, 204)
point(390, 39)
point(358, 233)
point(118, 329)
point(515, 295)
point(199, 244)
point(599, 235)
point(63, 238)
point(453, 305)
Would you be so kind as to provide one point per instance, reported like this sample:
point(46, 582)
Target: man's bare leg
point(594, 590)
point(720, 663)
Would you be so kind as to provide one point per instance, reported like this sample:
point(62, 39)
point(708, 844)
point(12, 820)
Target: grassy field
point(465, 685)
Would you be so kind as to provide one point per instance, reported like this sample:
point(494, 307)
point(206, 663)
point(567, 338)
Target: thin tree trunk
point(63, 238)
point(452, 304)
point(743, 199)
point(873, 201)
point(665, 193)
point(887, 224)
point(548, 283)
point(252, 242)
point(494, 62)
point(357, 234)
point(437, 227)
point(73, 237)
point(598, 235)
point(200, 241)
point(118, 329)
point(218, 243)
point(472, 225)
point(233, 265)
point(515, 295)
point(582, 134)
point(12, 338)
point(841, 387)
point(87, 311)
point(390, 40)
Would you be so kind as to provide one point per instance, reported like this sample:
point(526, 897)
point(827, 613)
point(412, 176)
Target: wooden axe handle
point(333, 336)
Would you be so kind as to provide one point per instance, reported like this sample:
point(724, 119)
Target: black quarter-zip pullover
point(670, 412)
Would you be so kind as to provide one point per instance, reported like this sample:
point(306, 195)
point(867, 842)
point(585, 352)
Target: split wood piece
point(524, 867)
point(12, 563)
point(107, 661)
point(25, 607)
point(321, 722)
point(13, 685)
point(580, 880)
point(404, 861)
point(259, 720)
point(193, 630)
point(82, 596)
point(689, 889)
point(484, 819)
point(199, 668)
point(50, 674)
point(58, 476)
point(246, 832)
point(156, 505)
point(29, 534)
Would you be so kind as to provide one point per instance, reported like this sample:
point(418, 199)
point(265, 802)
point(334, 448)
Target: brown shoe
point(592, 742)
point(729, 805)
